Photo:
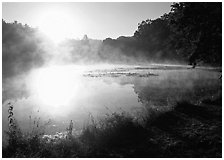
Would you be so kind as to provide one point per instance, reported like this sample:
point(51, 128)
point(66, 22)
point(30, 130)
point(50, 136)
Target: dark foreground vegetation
point(187, 130)
point(190, 31)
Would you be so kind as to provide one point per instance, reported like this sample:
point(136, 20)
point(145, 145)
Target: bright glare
point(55, 86)
point(57, 25)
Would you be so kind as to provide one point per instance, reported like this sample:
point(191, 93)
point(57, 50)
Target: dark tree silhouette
point(20, 49)
point(198, 29)
point(156, 37)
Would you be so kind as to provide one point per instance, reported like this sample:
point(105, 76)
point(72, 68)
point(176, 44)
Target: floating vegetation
point(142, 74)
point(118, 74)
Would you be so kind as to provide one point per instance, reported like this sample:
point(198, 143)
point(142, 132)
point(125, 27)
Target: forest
point(156, 93)
point(190, 33)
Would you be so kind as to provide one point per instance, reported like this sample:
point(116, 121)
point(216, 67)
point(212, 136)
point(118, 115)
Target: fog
point(25, 49)
point(154, 93)
point(73, 92)
point(74, 79)
point(49, 84)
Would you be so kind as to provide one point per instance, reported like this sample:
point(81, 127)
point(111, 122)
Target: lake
point(58, 94)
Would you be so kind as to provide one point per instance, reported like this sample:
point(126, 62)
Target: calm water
point(65, 93)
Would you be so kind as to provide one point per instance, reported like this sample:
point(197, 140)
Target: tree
point(198, 31)
point(21, 49)
point(155, 36)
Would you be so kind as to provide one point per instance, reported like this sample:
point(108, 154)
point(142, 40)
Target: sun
point(56, 24)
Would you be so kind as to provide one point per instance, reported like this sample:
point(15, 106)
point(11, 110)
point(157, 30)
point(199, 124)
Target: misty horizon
point(112, 80)
point(119, 19)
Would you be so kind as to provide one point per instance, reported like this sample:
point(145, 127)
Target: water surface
point(65, 93)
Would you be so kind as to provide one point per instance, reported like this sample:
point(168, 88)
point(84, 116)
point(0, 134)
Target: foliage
point(185, 131)
point(155, 36)
point(190, 31)
point(150, 43)
point(21, 49)
point(193, 30)
point(198, 28)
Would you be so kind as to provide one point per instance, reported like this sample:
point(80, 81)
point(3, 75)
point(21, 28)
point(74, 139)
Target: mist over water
point(151, 87)
point(74, 79)
point(72, 92)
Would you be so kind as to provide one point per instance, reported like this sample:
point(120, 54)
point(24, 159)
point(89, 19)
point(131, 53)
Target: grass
point(188, 130)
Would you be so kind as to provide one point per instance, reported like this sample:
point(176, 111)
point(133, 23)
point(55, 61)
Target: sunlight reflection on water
point(62, 93)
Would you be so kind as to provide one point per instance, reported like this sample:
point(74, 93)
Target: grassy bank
point(187, 130)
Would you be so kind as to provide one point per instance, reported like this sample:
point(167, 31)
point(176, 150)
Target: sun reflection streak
point(56, 85)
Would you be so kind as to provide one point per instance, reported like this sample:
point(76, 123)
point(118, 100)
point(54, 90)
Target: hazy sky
point(73, 20)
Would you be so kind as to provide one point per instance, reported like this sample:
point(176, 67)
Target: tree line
point(190, 32)
point(21, 49)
